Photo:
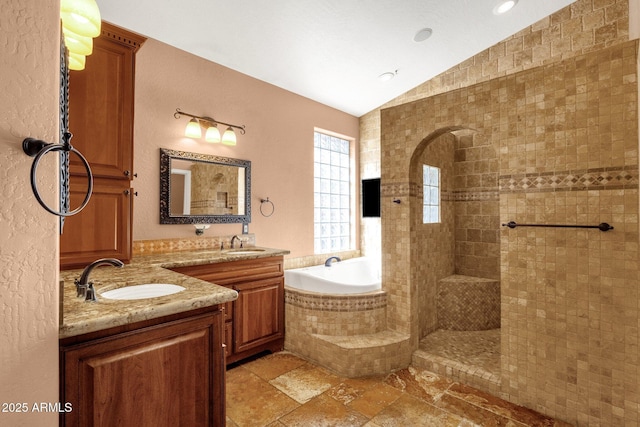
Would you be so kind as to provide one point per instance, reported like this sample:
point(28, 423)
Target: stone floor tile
point(375, 399)
point(273, 365)
point(411, 411)
point(305, 382)
point(419, 383)
point(259, 407)
point(324, 411)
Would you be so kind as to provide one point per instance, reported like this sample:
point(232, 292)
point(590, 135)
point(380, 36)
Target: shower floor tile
point(282, 389)
point(469, 356)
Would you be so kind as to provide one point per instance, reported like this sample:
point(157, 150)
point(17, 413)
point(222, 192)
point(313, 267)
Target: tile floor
point(282, 389)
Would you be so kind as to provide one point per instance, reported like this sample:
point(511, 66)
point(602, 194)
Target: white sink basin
point(246, 251)
point(151, 290)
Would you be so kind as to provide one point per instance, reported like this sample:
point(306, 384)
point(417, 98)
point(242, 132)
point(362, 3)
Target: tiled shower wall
point(435, 239)
point(567, 138)
point(570, 317)
point(476, 206)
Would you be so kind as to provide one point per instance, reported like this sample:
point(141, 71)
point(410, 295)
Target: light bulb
point(212, 135)
point(229, 137)
point(76, 61)
point(81, 16)
point(76, 43)
point(193, 129)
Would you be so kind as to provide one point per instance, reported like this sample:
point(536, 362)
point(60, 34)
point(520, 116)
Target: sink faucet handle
point(91, 293)
point(81, 289)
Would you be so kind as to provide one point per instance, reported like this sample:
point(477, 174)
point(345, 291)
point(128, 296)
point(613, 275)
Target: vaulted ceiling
point(331, 51)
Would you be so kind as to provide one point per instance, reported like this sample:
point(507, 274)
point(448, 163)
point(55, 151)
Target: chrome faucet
point(327, 263)
point(84, 287)
point(233, 239)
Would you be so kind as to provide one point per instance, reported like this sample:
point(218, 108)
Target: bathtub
point(352, 276)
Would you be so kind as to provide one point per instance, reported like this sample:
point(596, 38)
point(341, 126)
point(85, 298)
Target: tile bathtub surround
point(311, 260)
point(284, 390)
point(344, 333)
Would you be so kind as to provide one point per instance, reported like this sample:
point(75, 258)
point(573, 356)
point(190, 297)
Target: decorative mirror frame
point(165, 189)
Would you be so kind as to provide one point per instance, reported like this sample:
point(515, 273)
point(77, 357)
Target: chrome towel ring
point(273, 208)
point(38, 149)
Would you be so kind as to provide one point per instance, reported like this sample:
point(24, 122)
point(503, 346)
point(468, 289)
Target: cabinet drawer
point(228, 273)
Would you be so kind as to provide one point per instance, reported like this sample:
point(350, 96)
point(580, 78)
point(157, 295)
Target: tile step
point(378, 339)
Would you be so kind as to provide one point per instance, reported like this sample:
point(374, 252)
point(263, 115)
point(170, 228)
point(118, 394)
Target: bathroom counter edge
point(80, 317)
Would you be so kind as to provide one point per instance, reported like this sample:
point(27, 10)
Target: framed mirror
point(203, 189)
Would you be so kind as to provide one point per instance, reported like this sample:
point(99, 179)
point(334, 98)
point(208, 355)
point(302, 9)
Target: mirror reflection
point(199, 188)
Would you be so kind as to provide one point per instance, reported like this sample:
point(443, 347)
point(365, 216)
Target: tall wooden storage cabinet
point(101, 104)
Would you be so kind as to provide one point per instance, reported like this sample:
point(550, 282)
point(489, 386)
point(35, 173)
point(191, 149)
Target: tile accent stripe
point(322, 302)
point(612, 178)
point(579, 180)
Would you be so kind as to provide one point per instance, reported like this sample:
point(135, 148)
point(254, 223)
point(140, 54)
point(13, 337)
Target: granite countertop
point(80, 317)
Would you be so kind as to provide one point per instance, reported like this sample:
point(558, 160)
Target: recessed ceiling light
point(504, 7)
point(385, 77)
point(422, 35)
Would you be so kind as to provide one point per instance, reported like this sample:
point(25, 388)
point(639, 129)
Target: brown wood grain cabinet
point(101, 117)
point(103, 228)
point(168, 374)
point(255, 321)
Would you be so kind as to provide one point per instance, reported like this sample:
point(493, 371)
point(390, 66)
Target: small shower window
point(431, 194)
point(332, 194)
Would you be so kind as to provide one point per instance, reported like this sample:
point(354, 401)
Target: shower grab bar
point(603, 226)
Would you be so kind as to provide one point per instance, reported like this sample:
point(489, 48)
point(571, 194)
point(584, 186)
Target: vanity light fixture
point(212, 134)
point(81, 22)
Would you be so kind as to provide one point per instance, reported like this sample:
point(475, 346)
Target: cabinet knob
point(128, 173)
point(128, 192)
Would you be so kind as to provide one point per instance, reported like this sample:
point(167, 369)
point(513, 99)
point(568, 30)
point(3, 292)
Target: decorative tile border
point(163, 246)
point(471, 196)
point(414, 190)
point(322, 302)
point(578, 180)
point(613, 178)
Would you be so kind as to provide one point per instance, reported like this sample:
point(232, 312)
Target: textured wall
point(29, 84)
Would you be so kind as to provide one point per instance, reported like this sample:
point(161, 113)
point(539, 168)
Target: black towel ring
point(38, 148)
point(273, 208)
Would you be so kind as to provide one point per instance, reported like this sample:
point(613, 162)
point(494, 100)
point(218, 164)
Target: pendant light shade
point(193, 129)
point(76, 61)
point(82, 45)
point(229, 137)
point(81, 16)
point(213, 134)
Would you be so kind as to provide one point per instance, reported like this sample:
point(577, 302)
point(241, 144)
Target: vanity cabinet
point(166, 374)
point(255, 321)
point(101, 114)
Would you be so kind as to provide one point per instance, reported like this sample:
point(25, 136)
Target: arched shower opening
point(455, 255)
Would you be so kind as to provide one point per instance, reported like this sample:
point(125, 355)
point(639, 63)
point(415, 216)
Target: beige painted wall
point(278, 142)
point(29, 88)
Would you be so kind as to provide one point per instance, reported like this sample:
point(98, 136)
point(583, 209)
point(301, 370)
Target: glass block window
point(332, 194)
point(431, 194)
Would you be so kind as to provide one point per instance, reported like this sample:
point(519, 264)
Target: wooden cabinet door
point(166, 375)
point(259, 313)
point(102, 229)
point(101, 105)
